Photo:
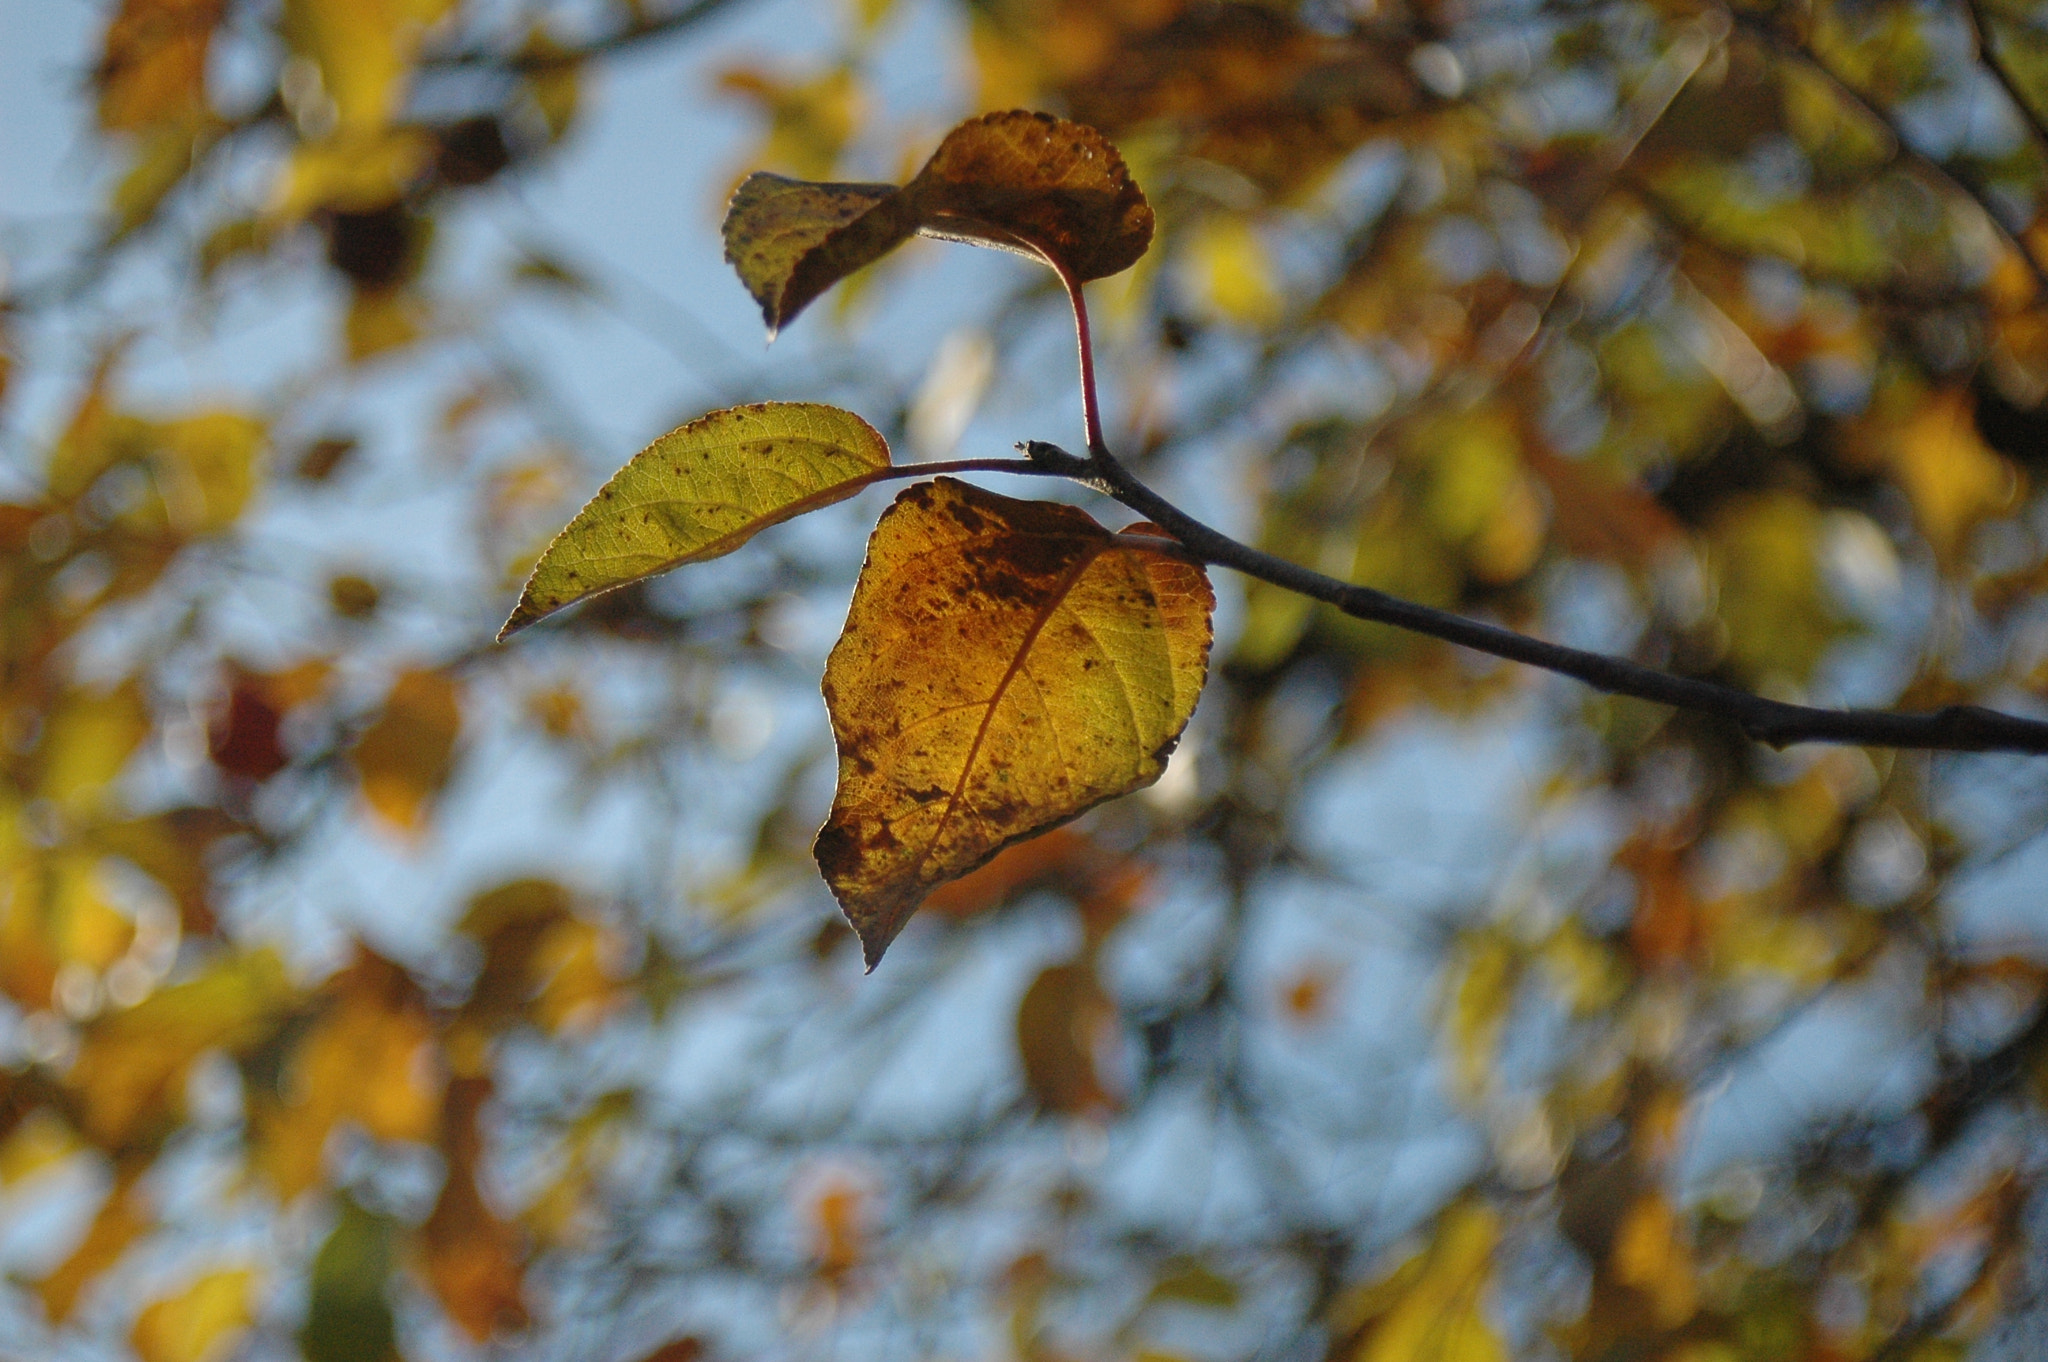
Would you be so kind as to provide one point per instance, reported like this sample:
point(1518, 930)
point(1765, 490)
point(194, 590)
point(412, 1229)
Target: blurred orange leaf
point(407, 755)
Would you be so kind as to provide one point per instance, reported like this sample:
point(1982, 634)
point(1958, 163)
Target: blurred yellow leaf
point(1486, 970)
point(405, 757)
point(1650, 1254)
point(1231, 272)
point(132, 1065)
point(1439, 1315)
point(159, 160)
point(1949, 474)
point(122, 1219)
point(81, 923)
point(350, 172)
point(206, 468)
point(578, 989)
point(382, 320)
point(40, 1142)
point(363, 49)
point(1767, 547)
point(370, 1058)
point(153, 62)
point(198, 1324)
point(473, 1259)
point(809, 121)
point(89, 738)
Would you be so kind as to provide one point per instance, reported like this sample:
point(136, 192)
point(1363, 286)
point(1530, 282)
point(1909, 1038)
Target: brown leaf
point(1062, 1021)
point(472, 1258)
point(1073, 659)
point(1020, 181)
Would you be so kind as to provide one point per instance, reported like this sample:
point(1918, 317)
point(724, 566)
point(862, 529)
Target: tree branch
point(1956, 728)
point(1980, 37)
point(1776, 42)
point(532, 59)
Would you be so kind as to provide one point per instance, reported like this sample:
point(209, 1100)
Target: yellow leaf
point(1073, 658)
point(81, 923)
point(161, 157)
point(40, 1142)
point(1767, 549)
point(1439, 1317)
point(1651, 1255)
point(1486, 970)
point(381, 320)
point(353, 171)
point(578, 990)
point(131, 1066)
point(153, 62)
point(701, 491)
point(198, 1324)
point(472, 1258)
point(406, 757)
point(370, 1058)
point(1232, 273)
point(1949, 474)
point(89, 739)
point(363, 49)
point(206, 468)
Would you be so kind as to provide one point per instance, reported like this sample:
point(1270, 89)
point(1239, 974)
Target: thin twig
point(1980, 37)
point(536, 59)
point(1777, 43)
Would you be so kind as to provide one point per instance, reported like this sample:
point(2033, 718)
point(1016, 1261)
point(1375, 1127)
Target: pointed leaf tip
point(1073, 660)
point(699, 492)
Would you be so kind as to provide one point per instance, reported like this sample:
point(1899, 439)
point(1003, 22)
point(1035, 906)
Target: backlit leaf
point(1073, 659)
point(199, 1323)
point(1019, 181)
point(699, 492)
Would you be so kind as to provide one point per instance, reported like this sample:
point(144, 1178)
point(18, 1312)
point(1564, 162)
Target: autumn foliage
point(1277, 966)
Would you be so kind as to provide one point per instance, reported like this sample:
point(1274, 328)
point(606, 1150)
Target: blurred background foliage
point(372, 991)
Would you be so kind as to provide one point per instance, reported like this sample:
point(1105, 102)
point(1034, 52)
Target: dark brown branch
point(1981, 37)
point(1957, 728)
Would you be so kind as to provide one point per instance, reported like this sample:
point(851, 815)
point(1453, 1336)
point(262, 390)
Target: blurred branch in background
point(372, 990)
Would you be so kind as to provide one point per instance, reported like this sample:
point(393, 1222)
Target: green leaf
point(700, 492)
